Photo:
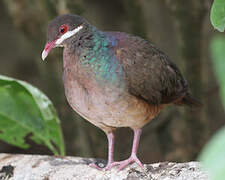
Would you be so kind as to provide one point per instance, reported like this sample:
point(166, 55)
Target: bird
point(115, 79)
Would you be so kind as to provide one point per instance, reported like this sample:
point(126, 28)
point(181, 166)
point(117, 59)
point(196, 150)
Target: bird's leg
point(110, 137)
point(133, 157)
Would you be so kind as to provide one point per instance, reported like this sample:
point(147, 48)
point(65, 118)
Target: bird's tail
point(189, 101)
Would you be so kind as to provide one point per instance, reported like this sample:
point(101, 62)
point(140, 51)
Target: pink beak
point(47, 49)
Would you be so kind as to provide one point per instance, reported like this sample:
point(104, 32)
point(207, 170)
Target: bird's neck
point(95, 51)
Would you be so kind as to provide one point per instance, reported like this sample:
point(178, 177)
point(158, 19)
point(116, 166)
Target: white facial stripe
point(67, 35)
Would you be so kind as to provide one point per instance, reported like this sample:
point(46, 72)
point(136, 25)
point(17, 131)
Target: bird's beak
point(47, 49)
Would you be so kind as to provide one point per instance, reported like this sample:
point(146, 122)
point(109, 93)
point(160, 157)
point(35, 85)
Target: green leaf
point(25, 110)
point(213, 156)
point(218, 59)
point(217, 15)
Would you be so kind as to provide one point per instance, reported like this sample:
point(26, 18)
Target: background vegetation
point(213, 155)
point(180, 28)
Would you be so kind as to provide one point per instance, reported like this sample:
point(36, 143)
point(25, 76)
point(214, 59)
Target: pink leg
point(110, 138)
point(133, 157)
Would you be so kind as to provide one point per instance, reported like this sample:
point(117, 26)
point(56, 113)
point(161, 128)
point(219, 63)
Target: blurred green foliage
point(217, 15)
point(213, 155)
point(25, 110)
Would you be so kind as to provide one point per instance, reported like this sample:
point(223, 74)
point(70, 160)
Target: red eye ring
point(63, 29)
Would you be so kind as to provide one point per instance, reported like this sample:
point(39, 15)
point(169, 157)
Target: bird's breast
point(105, 103)
point(107, 106)
point(89, 97)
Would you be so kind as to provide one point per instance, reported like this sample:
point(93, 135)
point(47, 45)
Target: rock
point(39, 167)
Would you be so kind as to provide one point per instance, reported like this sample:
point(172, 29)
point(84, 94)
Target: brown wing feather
point(149, 72)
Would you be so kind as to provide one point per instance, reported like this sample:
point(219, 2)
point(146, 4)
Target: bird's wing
point(149, 72)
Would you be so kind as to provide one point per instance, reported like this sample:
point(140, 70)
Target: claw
point(125, 163)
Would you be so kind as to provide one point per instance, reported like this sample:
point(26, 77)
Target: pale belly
point(109, 108)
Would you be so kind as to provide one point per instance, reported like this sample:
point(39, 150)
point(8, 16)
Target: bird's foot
point(122, 164)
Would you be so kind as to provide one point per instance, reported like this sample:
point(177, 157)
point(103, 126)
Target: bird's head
point(62, 29)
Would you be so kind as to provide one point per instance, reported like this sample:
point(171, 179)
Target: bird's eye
point(63, 29)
